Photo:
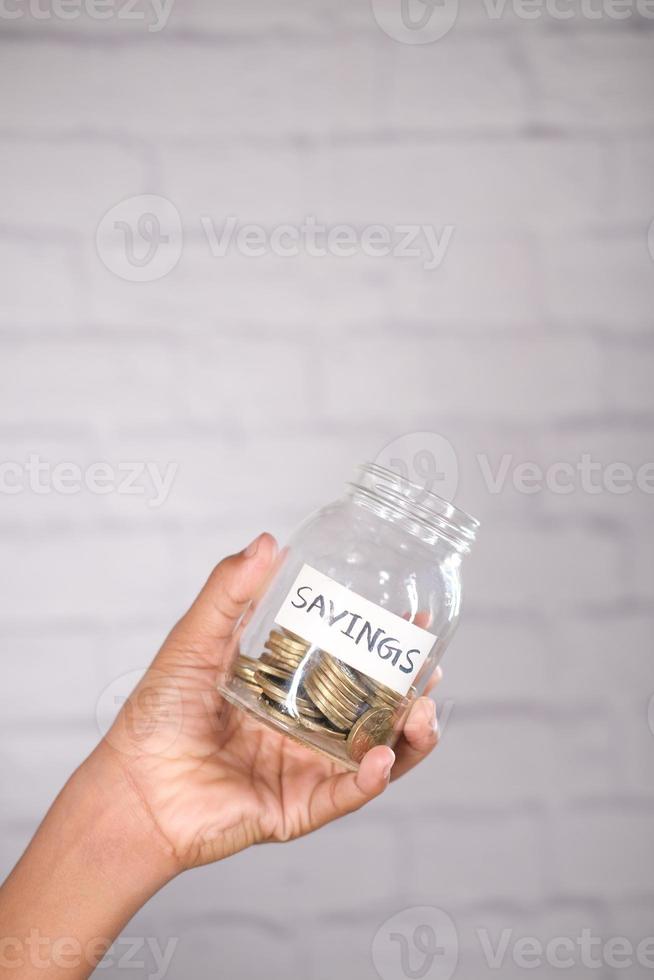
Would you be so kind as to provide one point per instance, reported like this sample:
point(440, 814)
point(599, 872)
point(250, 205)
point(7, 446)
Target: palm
point(213, 779)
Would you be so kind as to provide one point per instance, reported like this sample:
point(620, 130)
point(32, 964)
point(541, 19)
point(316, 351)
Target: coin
point(328, 708)
point(245, 669)
point(291, 637)
point(272, 670)
point(346, 677)
point(276, 692)
point(335, 681)
point(385, 696)
point(321, 728)
point(273, 665)
point(278, 712)
point(288, 641)
point(306, 707)
point(335, 696)
point(320, 694)
point(280, 660)
point(374, 727)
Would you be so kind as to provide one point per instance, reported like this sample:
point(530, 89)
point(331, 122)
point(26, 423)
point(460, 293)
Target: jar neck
point(417, 509)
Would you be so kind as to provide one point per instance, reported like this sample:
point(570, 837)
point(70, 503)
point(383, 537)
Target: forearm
point(94, 861)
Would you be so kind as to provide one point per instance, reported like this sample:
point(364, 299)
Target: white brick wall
point(265, 379)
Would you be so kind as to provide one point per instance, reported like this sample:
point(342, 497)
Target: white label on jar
point(355, 630)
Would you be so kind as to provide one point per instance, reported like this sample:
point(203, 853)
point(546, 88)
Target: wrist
point(121, 833)
point(94, 861)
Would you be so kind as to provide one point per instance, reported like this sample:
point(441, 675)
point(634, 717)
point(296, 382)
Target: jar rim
point(415, 502)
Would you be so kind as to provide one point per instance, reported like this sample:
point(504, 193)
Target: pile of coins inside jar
point(307, 688)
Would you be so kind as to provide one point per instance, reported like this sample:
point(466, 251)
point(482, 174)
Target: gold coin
point(294, 637)
point(329, 711)
point(306, 705)
point(287, 640)
point(281, 661)
point(272, 670)
point(245, 669)
point(268, 660)
point(275, 691)
point(323, 728)
point(385, 695)
point(354, 703)
point(374, 727)
point(278, 712)
point(300, 705)
point(315, 685)
point(283, 643)
point(251, 686)
point(329, 690)
point(346, 677)
point(296, 657)
point(382, 702)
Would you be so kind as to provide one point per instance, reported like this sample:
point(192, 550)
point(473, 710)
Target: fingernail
point(433, 721)
point(253, 547)
point(387, 771)
point(438, 672)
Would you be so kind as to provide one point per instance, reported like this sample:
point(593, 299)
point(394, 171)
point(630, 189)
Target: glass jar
point(356, 617)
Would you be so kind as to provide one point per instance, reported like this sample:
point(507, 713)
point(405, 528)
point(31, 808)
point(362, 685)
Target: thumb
point(230, 588)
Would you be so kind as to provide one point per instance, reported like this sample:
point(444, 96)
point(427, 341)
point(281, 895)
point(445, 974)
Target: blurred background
point(174, 381)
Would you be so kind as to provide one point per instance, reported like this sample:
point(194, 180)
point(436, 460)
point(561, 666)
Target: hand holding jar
point(334, 642)
point(363, 602)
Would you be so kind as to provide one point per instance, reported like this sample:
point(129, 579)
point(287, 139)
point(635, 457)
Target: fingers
point(419, 737)
point(225, 597)
point(348, 791)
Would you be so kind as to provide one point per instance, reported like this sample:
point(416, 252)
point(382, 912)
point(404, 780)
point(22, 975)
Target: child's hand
point(209, 778)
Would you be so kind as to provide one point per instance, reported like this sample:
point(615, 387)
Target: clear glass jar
point(364, 600)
